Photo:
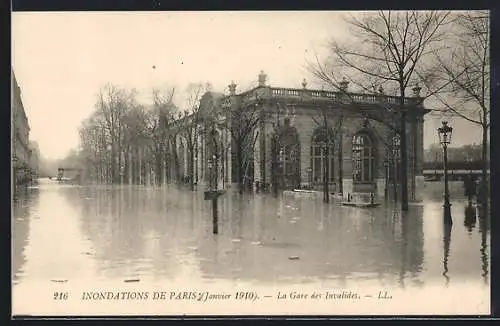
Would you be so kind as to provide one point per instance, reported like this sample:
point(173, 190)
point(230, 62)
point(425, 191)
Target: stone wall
point(352, 124)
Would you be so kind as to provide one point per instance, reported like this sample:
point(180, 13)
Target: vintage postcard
point(250, 163)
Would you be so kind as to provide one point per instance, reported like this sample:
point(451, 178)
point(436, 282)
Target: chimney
point(262, 79)
point(232, 88)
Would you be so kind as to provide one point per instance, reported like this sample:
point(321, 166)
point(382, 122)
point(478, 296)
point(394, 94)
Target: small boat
point(305, 191)
point(358, 204)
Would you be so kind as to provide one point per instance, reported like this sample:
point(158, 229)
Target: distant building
point(288, 142)
point(20, 150)
point(34, 160)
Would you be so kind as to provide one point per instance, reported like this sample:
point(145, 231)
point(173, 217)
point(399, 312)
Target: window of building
point(287, 159)
point(363, 158)
point(318, 159)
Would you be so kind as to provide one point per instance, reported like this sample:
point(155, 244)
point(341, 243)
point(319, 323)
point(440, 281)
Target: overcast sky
point(62, 59)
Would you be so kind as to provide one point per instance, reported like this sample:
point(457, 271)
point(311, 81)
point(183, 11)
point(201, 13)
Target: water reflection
point(326, 242)
point(470, 217)
point(446, 250)
point(166, 233)
point(484, 230)
point(23, 210)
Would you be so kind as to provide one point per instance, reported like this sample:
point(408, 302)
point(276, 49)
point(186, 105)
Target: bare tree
point(190, 124)
point(135, 134)
point(112, 105)
point(161, 118)
point(123, 136)
point(326, 137)
point(386, 51)
point(465, 71)
point(244, 120)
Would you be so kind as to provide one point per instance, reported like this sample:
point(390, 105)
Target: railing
point(307, 95)
point(338, 96)
point(285, 92)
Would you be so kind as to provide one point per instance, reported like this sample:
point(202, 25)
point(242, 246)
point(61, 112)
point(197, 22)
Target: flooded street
point(110, 235)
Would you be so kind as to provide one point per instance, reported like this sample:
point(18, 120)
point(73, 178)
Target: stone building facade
point(293, 128)
point(20, 130)
point(34, 160)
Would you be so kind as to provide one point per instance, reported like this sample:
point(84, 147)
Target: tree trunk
point(177, 167)
point(404, 164)
point(239, 164)
point(413, 158)
point(139, 167)
point(274, 167)
point(485, 167)
point(130, 166)
point(326, 174)
point(157, 169)
point(191, 167)
point(120, 175)
point(112, 163)
point(341, 158)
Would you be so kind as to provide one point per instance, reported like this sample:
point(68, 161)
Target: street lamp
point(444, 133)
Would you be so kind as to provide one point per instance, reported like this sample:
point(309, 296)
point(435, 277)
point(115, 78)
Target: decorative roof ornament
point(344, 84)
point(262, 78)
point(232, 88)
point(304, 83)
point(416, 90)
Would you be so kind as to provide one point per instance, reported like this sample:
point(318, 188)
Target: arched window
point(287, 158)
point(363, 159)
point(286, 148)
point(318, 158)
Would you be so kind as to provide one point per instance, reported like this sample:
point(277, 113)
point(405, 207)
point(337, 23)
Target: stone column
point(419, 151)
point(380, 156)
point(268, 134)
point(347, 182)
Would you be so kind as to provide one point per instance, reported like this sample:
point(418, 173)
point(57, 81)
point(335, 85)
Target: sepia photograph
point(250, 163)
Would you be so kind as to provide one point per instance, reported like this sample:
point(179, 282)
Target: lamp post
point(445, 133)
point(213, 192)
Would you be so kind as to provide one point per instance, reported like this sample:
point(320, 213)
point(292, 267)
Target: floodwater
point(104, 234)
